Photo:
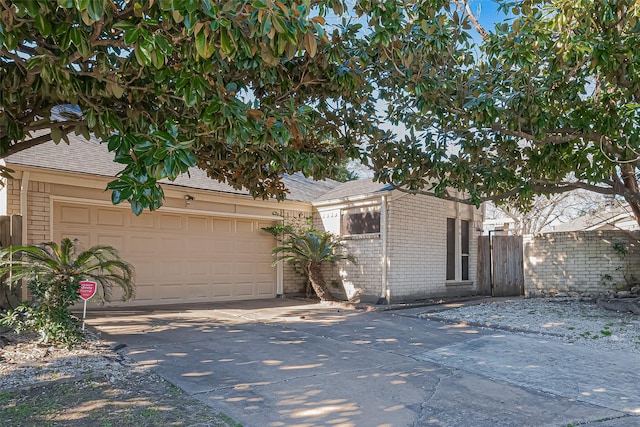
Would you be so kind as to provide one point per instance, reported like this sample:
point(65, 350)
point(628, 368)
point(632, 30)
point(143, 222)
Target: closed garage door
point(178, 257)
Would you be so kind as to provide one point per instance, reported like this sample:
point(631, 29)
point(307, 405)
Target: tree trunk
point(631, 184)
point(317, 281)
point(622, 305)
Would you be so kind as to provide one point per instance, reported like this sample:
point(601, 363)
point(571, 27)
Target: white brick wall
point(418, 248)
point(579, 262)
point(416, 252)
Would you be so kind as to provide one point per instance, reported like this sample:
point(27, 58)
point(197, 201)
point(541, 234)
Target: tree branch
point(463, 6)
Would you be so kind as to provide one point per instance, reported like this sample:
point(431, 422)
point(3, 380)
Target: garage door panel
point(145, 293)
point(222, 290)
point(169, 222)
point(109, 217)
point(244, 227)
point(75, 215)
point(177, 257)
point(171, 247)
point(171, 292)
point(141, 244)
point(222, 226)
point(265, 288)
point(198, 268)
point(110, 240)
point(197, 291)
point(197, 225)
point(170, 270)
point(144, 221)
point(244, 289)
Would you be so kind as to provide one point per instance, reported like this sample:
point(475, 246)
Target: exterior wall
point(584, 262)
point(416, 251)
point(417, 248)
point(362, 281)
point(293, 283)
point(43, 188)
point(37, 222)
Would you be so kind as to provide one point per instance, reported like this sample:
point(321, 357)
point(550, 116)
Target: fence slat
point(484, 265)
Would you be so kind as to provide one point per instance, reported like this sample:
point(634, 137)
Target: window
point(464, 245)
point(458, 249)
point(364, 220)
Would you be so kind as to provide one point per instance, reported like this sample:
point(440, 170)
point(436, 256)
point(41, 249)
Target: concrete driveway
point(288, 363)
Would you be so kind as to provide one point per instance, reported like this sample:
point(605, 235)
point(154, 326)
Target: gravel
point(569, 320)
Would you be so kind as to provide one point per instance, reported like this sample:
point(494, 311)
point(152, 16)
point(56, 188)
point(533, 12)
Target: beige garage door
point(178, 257)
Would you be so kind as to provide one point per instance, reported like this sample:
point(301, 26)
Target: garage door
point(178, 257)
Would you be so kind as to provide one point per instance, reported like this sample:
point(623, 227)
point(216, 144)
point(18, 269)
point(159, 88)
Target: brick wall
point(417, 249)
point(38, 209)
point(584, 262)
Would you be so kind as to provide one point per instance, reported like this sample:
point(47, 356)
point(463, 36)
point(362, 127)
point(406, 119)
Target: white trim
point(93, 202)
point(99, 182)
point(280, 278)
point(385, 257)
point(350, 201)
point(24, 192)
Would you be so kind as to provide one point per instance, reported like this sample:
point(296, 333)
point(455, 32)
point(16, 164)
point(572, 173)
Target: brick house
point(207, 244)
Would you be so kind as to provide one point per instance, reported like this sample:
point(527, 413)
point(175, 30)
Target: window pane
point(464, 225)
point(451, 249)
point(359, 222)
point(465, 267)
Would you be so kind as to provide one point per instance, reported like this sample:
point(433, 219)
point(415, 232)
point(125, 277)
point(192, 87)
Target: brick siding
point(584, 262)
point(38, 209)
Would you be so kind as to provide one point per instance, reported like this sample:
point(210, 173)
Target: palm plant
point(307, 252)
point(52, 273)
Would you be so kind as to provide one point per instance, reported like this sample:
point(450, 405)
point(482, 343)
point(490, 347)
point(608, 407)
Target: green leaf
point(95, 8)
point(43, 25)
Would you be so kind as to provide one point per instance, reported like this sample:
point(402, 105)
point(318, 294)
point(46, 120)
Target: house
point(207, 244)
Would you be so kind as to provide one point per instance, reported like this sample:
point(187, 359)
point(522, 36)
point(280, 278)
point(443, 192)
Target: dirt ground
point(90, 385)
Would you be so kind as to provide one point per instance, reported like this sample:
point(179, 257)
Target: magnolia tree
point(247, 91)
point(549, 101)
point(544, 102)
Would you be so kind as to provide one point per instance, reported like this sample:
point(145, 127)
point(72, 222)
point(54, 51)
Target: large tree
point(247, 91)
point(546, 101)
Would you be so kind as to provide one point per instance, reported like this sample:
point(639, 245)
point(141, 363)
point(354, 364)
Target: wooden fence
point(500, 266)
point(10, 235)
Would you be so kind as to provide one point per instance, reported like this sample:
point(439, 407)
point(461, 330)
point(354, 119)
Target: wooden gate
point(500, 267)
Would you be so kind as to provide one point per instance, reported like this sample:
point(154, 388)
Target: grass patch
point(87, 402)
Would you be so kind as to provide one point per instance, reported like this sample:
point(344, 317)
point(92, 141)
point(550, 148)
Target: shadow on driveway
point(282, 362)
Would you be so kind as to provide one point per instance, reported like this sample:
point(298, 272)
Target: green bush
point(53, 274)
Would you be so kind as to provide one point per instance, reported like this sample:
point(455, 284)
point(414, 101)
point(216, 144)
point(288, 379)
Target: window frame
point(376, 216)
point(458, 248)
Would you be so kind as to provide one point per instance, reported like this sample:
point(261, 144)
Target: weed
point(228, 420)
point(5, 397)
point(606, 332)
point(571, 328)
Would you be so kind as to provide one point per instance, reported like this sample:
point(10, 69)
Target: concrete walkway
point(288, 363)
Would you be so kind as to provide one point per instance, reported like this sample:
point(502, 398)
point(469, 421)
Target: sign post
point(86, 290)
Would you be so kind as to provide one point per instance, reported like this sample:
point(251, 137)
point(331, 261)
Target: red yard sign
point(87, 289)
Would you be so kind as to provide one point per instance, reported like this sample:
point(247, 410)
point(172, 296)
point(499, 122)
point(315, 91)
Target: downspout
point(24, 189)
point(280, 269)
point(386, 295)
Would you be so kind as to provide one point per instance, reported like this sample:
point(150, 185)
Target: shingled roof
point(92, 157)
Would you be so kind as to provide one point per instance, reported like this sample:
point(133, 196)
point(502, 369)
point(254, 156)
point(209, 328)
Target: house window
point(464, 245)
point(458, 249)
point(365, 220)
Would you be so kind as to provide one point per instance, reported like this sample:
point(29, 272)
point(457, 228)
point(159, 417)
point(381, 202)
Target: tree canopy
point(546, 101)
point(247, 91)
point(549, 101)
